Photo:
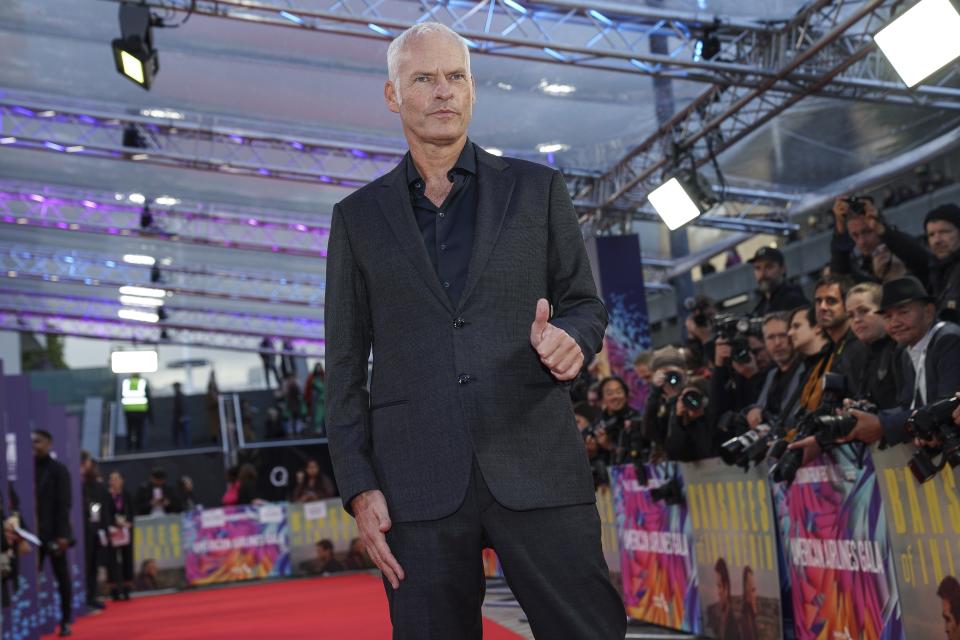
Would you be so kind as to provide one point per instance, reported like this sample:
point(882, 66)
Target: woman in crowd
point(617, 419)
point(119, 518)
point(313, 485)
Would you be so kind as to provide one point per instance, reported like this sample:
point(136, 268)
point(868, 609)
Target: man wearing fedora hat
point(928, 366)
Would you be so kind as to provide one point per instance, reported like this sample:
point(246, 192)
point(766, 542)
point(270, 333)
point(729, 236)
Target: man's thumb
point(540, 321)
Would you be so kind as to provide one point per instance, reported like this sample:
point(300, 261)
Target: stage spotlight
point(922, 40)
point(681, 199)
point(133, 52)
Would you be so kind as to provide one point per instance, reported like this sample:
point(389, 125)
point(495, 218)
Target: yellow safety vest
point(134, 395)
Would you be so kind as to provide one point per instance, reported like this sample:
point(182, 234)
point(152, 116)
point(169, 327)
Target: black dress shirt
point(448, 230)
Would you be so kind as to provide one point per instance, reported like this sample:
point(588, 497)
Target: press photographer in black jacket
point(690, 436)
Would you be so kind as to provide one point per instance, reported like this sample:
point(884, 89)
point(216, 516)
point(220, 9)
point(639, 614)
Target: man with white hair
point(467, 275)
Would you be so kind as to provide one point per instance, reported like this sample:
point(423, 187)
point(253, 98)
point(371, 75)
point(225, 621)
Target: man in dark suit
point(53, 520)
point(926, 370)
point(467, 275)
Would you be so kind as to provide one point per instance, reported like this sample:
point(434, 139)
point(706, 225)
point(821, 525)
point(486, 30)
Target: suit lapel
point(393, 197)
point(495, 188)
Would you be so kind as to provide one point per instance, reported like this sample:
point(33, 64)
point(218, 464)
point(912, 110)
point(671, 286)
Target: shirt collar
point(921, 346)
point(466, 163)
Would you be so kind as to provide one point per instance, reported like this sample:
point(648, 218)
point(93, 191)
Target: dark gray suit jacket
point(449, 382)
point(942, 376)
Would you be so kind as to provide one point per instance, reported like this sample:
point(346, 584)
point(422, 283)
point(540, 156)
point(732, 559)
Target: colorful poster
point(924, 525)
point(656, 553)
point(236, 543)
point(735, 546)
point(618, 267)
point(835, 536)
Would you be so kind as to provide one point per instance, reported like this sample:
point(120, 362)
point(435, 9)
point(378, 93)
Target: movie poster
point(924, 525)
point(735, 546)
point(656, 553)
point(835, 536)
point(236, 543)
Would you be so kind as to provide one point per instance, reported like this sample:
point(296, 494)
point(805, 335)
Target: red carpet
point(349, 607)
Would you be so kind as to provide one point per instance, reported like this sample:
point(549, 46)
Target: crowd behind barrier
point(785, 472)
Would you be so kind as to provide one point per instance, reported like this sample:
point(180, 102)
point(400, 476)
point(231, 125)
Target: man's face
point(777, 341)
point(435, 93)
point(801, 333)
point(614, 397)
point(831, 312)
point(768, 273)
point(951, 626)
point(41, 445)
point(759, 350)
point(865, 321)
point(643, 372)
point(943, 238)
point(863, 235)
point(909, 322)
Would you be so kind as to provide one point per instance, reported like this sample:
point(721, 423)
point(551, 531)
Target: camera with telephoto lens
point(934, 422)
point(698, 310)
point(748, 448)
point(693, 400)
point(670, 492)
point(734, 330)
point(822, 424)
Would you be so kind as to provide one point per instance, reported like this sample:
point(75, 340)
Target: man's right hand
point(373, 521)
point(840, 211)
point(755, 417)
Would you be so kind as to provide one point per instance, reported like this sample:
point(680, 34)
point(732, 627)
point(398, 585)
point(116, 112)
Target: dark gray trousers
point(551, 559)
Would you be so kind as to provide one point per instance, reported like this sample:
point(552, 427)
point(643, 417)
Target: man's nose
point(444, 87)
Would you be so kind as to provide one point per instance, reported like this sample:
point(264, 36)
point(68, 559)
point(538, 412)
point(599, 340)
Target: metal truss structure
point(831, 38)
point(180, 319)
point(96, 130)
point(204, 224)
point(74, 267)
point(598, 35)
point(118, 330)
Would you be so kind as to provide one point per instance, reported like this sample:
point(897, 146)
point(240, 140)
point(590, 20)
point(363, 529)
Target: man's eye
point(458, 76)
point(421, 78)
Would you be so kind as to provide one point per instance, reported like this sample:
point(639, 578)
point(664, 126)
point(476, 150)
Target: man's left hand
point(557, 350)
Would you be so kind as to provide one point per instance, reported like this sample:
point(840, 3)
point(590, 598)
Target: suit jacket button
point(458, 323)
point(463, 378)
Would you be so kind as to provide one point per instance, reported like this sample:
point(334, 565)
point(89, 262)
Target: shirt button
point(446, 285)
point(443, 247)
point(418, 184)
point(464, 378)
point(458, 323)
point(441, 215)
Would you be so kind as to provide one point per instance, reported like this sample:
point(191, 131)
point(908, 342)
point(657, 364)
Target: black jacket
point(844, 263)
point(126, 510)
point(697, 440)
point(941, 277)
point(878, 384)
point(850, 360)
point(454, 384)
point(786, 297)
point(95, 497)
point(942, 377)
point(53, 499)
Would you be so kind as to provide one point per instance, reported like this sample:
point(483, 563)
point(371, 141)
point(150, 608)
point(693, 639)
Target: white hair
point(397, 45)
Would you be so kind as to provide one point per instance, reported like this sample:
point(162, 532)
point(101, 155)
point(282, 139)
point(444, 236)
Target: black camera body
point(694, 400)
point(934, 422)
point(670, 492)
point(735, 330)
point(748, 448)
point(856, 205)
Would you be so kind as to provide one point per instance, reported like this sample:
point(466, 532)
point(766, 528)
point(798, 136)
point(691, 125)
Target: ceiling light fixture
point(921, 40)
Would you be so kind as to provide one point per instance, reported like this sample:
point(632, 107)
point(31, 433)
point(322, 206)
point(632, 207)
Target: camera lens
point(673, 378)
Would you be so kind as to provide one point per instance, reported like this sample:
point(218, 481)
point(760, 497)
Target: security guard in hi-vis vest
point(136, 409)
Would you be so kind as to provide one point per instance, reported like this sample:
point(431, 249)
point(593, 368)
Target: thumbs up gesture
point(557, 350)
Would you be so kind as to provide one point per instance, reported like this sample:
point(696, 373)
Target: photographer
point(690, 436)
point(853, 229)
point(776, 294)
point(928, 368)
point(617, 418)
point(740, 366)
point(783, 379)
point(877, 384)
point(847, 355)
point(813, 348)
point(939, 267)
point(700, 330)
point(669, 373)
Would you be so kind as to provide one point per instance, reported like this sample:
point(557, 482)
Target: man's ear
point(390, 97)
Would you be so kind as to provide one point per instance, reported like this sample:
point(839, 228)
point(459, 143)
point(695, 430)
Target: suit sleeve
point(573, 293)
point(946, 368)
point(349, 336)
